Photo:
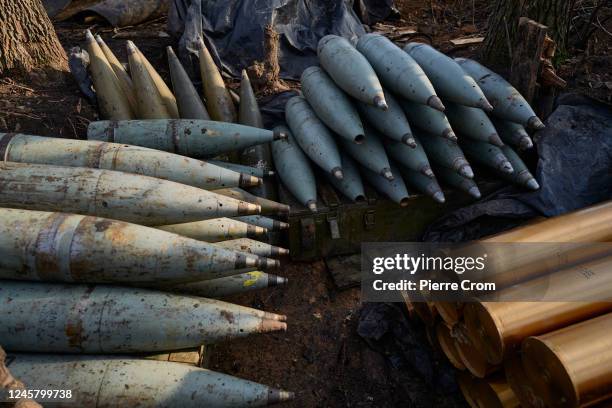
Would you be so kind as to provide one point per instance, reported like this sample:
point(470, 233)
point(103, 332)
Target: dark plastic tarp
point(119, 13)
point(235, 29)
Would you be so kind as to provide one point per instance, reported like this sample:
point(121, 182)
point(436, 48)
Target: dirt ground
point(320, 357)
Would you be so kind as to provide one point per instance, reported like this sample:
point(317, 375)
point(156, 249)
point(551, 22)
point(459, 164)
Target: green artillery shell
point(294, 170)
point(113, 156)
point(412, 158)
point(188, 99)
point(218, 100)
point(521, 175)
point(259, 155)
point(111, 319)
point(264, 222)
point(450, 81)
point(446, 153)
point(192, 138)
point(473, 123)
point(394, 189)
point(150, 102)
point(487, 155)
point(215, 230)
point(457, 181)
point(137, 382)
point(268, 207)
point(313, 136)
point(507, 102)
point(398, 71)
point(123, 79)
point(164, 91)
point(428, 119)
point(253, 247)
point(391, 122)
point(230, 285)
point(332, 105)
point(351, 185)
point(112, 101)
point(423, 184)
point(350, 70)
point(36, 245)
point(371, 153)
point(513, 134)
point(253, 171)
point(123, 196)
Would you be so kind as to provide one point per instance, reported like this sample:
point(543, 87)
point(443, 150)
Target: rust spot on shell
point(102, 226)
point(229, 316)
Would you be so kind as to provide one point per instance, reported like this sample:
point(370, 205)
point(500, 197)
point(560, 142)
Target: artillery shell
point(145, 383)
point(371, 153)
point(192, 138)
point(189, 103)
point(215, 230)
point(253, 171)
point(350, 185)
point(112, 101)
point(119, 157)
point(350, 70)
point(218, 100)
point(449, 80)
point(472, 123)
point(398, 71)
point(446, 153)
point(426, 185)
point(457, 181)
point(111, 319)
point(487, 155)
point(165, 93)
point(507, 102)
point(413, 158)
point(428, 119)
point(123, 79)
point(264, 222)
point(521, 175)
point(512, 133)
point(123, 196)
point(313, 136)
point(294, 170)
point(394, 189)
point(391, 122)
point(267, 206)
point(230, 285)
point(332, 105)
point(254, 247)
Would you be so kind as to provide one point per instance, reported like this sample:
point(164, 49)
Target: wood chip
point(467, 41)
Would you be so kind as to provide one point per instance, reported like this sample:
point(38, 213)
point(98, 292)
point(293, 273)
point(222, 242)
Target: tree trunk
point(28, 41)
point(503, 24)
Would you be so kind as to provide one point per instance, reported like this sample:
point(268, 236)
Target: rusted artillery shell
point(428, 119)
point(253, 247)
point(487, 155)
point(123, 79)
point(412, 158)
point(350, 70)
point(258, 155)
point(472, 123)
point(423, 184)
point(371, 153)
point(512, 133)
point(230, 285)
point(164, 91)
point(391, 122)
point(119, 157)
point(521, 175)
point(507, 102)
point(149, 100)
point(146, 383)
point(36, 245)
point(264, 222)
point(192, 138)
point(215, 230)
point(112, 101)
point(111, 319)
point(449, 80)
point(450, 177)
point(190, 105)
point(394, 189)
point(332, 105)
point(268, 207)
point(294, 170)
point(351, 184)
point(122, 196)
point(398, 71)
point(313, 136)
point(445, 153)
point(218, 100)
point(253, 171)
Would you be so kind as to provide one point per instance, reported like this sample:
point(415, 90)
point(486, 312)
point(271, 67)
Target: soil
point(320, 357)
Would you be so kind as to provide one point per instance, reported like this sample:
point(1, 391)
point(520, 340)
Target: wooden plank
point(467, 41)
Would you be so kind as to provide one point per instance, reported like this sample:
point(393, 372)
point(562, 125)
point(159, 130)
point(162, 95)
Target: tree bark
point(503, 25)
point(28, 41)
